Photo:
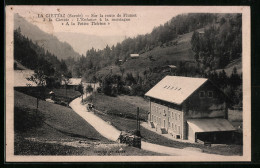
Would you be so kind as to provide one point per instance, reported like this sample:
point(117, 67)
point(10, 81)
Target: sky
point(147, 17)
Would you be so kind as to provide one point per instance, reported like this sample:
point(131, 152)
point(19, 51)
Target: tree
point(66, 82)
point(130, 80)
point(235, 79)
point(122, 70)
point(89, 89)
point(80, 88)
point(40, 79)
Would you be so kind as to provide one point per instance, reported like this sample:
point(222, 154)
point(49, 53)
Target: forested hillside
point(163, 36)
point(196, 45)
point(34, 57)
point(220, 44)
point(49, 42)
point(192, 42)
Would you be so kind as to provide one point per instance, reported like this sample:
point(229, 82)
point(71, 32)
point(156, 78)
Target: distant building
point(134, 55)
point(21, 78)
point(72, 82)
point(189, 108)
point(172, 66)
point(201, 32)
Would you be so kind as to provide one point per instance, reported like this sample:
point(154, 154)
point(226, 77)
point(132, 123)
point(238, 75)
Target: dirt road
point(110, 132)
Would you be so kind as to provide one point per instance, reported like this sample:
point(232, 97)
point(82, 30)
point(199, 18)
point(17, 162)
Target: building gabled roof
point(134, 55)
point(74, 81)
point(20, 78)
point(175, 89)
point(210, 125)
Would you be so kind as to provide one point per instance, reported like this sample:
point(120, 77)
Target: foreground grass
point(127, 124)
point(61, 118)
point(26, 147)
point(49, 130)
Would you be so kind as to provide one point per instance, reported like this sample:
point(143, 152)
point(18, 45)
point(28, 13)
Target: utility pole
point(138, 122)
point(37, 99)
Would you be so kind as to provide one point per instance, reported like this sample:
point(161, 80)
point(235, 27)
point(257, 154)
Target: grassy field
point(136, 101)
point(57, 130)
point(123, 106)
point(127, 124)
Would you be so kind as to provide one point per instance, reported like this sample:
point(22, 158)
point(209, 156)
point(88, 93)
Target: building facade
point(188, 107)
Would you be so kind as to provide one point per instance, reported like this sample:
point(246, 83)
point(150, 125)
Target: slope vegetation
point(51, 43)
point(166, 54)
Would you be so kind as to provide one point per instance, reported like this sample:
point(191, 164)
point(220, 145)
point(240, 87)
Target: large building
point(189, 108)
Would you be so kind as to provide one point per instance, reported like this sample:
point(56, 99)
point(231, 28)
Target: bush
point(125, 90)
point(99, 89)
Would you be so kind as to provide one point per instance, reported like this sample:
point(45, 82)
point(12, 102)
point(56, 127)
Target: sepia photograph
point(128, 83)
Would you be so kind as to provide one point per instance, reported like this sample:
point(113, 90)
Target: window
point(172, 115)
point(164, 112)
point(175, 116)
point(210, 94)
point(175, 127)
point(179, 129)
point(179, 117)
point(202, 94)
point(172, 126)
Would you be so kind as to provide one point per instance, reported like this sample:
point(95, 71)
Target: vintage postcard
point(128, 83)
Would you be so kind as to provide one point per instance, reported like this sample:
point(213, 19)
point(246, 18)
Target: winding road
point(112, 133)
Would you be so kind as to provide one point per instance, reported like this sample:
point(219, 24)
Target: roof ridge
point(184, 77)
point(175, 89)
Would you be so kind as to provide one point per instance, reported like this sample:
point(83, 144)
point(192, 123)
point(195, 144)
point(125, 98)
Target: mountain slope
point(51, 43)
point(158, 57)
point(229, 68)
point(87, 41)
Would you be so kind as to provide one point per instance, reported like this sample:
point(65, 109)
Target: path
point(100, 125)
point(112, 133)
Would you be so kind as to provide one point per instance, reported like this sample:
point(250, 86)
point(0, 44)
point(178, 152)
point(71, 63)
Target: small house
point(72, 83)
point(189, 108)
point(134, 56)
